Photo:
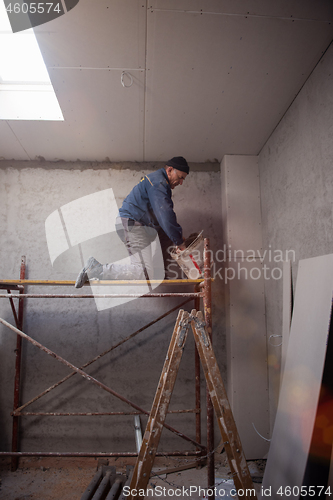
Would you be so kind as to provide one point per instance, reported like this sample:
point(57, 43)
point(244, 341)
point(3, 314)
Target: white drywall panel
point(287, 297)
point(195, 82)
point(323, 10)
point(278, 340)
point(95, 127)
point(10, 147)
point(247, 368)
point(244, 276)
point(302, 376)
point(29, 105)
point(241, 198)
point(99, 34)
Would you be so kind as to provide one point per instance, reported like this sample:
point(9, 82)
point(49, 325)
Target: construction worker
point(147, 212)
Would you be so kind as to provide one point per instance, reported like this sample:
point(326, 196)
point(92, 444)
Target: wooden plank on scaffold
point(159, 409)
point(11, 284)
point(226, 422)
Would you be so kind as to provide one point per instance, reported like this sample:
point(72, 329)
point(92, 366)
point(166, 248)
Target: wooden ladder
point(231, 441)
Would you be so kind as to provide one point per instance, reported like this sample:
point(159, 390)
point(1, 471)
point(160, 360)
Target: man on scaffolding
point(147, 212)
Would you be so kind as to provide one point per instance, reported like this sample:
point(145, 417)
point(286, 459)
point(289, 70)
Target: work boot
point(92, 270)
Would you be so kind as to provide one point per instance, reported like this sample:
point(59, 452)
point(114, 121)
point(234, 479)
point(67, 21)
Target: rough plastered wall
point(296, 178)
point(75, 330)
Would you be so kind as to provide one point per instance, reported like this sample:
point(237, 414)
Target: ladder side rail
point(218, 394)
point(159, 409)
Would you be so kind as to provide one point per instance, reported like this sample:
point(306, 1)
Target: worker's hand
point(180, 248)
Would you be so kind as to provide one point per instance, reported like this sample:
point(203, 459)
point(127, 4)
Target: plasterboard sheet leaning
point(302, 377)
point(286, 310)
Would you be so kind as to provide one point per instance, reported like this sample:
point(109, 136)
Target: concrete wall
point(296, 178)
point(74, 329)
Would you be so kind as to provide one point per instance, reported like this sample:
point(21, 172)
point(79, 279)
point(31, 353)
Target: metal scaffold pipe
point(97, 295)
point(91, 379)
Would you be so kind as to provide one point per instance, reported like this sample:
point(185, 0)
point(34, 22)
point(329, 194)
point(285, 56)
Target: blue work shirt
point(150, 203)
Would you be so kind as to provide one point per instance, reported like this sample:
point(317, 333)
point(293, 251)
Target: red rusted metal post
point(13, 310)
point(18, 356)
point(207, 300)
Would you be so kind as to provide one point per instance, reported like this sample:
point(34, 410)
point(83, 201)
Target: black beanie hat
point(179, 163)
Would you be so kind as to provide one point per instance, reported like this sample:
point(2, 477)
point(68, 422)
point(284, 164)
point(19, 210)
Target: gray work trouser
point(138, 240)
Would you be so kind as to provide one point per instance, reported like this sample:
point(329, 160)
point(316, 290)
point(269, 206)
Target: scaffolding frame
point(202, 290)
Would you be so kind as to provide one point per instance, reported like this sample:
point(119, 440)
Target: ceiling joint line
point(64, 6)
point(229, 14)
point(88, 68)
point(144, 90)
point(26, 152)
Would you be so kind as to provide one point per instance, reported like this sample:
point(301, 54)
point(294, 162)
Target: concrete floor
point(67, 479)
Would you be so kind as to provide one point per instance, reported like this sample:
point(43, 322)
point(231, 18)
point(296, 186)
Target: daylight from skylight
point(26, 92)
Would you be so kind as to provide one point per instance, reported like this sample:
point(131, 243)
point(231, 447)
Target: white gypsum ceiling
point(203, 78)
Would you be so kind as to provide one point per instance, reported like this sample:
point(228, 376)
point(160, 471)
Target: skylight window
point(29, 65)
point(26, 92)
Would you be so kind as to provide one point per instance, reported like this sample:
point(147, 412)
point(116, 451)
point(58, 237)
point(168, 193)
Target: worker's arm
point(180, 248)
point(162, 206)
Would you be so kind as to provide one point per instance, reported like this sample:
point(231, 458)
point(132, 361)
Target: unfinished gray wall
point(296, 178)
point(74, 329)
